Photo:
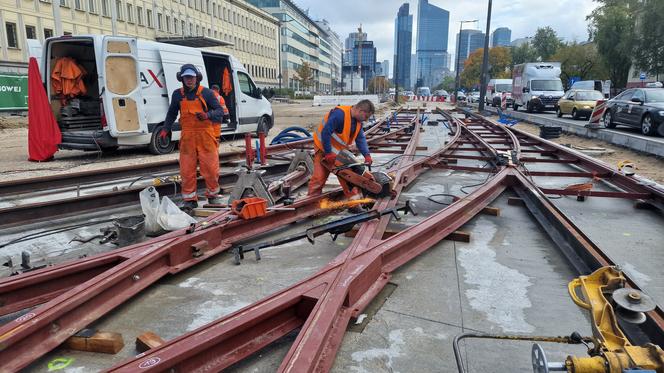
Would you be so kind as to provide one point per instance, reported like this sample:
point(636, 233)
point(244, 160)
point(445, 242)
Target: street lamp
point(281, 23)
point(456, 80)
point(485, 61)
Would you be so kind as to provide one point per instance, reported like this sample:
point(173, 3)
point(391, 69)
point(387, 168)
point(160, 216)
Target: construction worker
point(338, 130)
point(199, 111)
point(222, 102)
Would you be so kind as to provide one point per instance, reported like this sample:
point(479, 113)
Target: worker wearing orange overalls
point(339, 129)
point(222, 102)
point(200, 118)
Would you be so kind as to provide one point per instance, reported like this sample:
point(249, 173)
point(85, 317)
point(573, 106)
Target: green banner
point(13, 92)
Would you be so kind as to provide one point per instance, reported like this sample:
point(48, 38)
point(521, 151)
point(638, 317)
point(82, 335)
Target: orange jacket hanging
point(67, 78)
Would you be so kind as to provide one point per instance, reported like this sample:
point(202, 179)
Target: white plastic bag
point(171, 218)
point(150, 205)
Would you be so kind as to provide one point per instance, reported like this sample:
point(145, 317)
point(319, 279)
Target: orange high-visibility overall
point(222, 102)
point(198, 144)
point(338, 142)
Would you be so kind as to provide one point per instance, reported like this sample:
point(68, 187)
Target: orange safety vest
point(222, 102)
point(339, 141)
point(188, 109)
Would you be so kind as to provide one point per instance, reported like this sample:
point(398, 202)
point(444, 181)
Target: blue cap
point(188, 72)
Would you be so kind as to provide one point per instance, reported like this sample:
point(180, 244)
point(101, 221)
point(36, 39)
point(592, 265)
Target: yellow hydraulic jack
point(604, 294)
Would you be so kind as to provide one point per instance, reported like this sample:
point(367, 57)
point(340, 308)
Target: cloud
point(566, 17)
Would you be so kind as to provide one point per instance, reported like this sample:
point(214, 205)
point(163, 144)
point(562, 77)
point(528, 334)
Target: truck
point(494, 92)
point(423, 91)
point(129, 83)
point(536, 86)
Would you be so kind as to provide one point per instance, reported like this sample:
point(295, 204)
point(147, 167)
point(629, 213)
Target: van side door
point(122, 95)
point(249, 102)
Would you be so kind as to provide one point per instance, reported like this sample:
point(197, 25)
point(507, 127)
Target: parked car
point(578, 102)
point(442, 93)
point(474, 97)
point(637, 107)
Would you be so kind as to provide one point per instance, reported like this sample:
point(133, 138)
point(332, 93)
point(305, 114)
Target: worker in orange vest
point(200, 115)
point(222, 102)
point(339, 129)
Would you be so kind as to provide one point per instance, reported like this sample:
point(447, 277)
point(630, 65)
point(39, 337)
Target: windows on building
point(148, 18)
point(168, 23)
point(12, 36)
point(160, 22)
point(139, 15)
point(78, 5)
point(30, 32)
point(48, 33)
point(118, 9)
point(104, 8)
point(130, 13)
point(92, 6)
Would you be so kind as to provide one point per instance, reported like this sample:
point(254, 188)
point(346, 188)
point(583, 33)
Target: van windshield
point(503, 88)
point(546, 85)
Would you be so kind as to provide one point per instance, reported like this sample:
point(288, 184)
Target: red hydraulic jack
point(260, 153)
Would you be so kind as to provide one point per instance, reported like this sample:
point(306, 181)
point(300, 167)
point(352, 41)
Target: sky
point(566, 17)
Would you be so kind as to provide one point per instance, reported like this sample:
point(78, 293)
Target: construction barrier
point(428, 98)
point(597, 114)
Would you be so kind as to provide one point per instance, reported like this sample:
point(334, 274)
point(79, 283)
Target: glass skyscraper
point(501, 37)
point(403, 35)
point(433, 24)
point(470, 41)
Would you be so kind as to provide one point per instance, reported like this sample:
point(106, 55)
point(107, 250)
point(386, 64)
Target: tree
point(378, 84)
point(304, 75)
point(611, 29)
point(649, 46)
point(546, 42)
point(447, 84)
point(500, 62)
point(523, 53)
point(579, 60)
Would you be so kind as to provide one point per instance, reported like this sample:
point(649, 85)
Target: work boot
point(216, 200)
point(187, 206)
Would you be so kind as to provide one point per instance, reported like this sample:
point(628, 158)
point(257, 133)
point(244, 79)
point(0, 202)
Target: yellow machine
point(604, 295)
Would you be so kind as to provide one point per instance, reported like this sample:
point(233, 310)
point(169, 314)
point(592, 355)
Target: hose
point(290, 134)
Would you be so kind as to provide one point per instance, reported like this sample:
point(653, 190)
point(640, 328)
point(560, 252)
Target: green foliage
point(580, 60)
point(500, 62)
point(523, 53)
point(447, 84)
point(546, 43)
point(304, 75)
point(611, 29)
point(649, 45)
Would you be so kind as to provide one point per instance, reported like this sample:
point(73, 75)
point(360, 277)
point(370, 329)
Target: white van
point(537, 86)
point(494, 92)
point(129, 84)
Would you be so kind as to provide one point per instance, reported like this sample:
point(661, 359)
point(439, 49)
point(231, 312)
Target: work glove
point(164, 134)
point(201, 116)
point(367, 160)
point(330, 158)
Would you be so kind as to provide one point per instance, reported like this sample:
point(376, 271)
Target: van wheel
point(515, 107)
point(158, 145)
point(263, 126)
point(529, 107)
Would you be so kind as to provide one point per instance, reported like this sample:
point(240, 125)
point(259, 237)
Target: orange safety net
point(226, 85)
point(67, 78)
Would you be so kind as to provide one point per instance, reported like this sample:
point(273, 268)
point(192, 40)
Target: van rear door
point(122, 96)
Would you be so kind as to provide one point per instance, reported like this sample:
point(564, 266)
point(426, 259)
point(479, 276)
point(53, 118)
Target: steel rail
point(33, 334)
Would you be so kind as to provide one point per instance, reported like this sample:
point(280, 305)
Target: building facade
point(301, 40)
point(336, 47)
point(468, 42)
point(501, 37)
point(433, 25)
point(363, 61)
point(386, 68)
point(403, 35)
point(245, 31)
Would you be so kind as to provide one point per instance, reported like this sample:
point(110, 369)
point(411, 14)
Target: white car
point(474, 97)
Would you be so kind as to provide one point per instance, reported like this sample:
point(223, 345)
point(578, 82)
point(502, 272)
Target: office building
point(501, 37)
point(468, 42)
point(301, 40)
point(403, 35)
point(336, 50)
point(236, 27)
point(432, 33)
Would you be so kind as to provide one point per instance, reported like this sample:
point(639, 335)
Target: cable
point(430, 198)
point(49, 232)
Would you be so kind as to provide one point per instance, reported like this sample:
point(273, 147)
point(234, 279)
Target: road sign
point(642, 76)
point(13, 92)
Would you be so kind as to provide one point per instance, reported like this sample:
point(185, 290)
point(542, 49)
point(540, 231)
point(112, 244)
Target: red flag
point(43, 131)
